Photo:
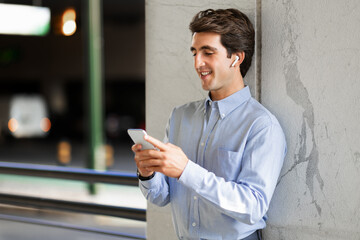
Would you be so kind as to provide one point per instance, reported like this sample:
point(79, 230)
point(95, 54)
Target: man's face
point(213, 66)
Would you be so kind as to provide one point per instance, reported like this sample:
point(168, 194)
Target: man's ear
point(241, 56)
point(238, 58)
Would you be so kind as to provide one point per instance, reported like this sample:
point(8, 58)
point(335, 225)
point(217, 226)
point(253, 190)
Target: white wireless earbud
point(236, 60)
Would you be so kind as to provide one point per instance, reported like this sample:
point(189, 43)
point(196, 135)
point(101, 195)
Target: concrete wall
point(309, 80)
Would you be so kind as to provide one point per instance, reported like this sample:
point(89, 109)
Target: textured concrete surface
point(310, 69)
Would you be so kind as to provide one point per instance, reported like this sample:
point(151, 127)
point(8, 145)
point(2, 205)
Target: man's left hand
point(169, 160)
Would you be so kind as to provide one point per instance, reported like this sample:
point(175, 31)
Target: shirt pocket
point(227, 164)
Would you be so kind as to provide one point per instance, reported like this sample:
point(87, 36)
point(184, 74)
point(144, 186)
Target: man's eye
point(194, 54)
point(209, 53)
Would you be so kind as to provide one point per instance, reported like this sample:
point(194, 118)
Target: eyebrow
point(206, 47)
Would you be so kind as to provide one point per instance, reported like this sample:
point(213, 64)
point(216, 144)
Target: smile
point(205, 73)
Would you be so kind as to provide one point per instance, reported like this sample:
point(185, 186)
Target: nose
point(198, 61)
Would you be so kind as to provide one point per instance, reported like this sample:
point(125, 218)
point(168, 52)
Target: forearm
point(243, 201)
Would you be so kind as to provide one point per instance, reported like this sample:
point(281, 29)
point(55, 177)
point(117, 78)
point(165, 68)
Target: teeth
point(205, 73)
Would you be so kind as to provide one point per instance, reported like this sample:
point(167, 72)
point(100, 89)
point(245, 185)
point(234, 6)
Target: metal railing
point(86, 175)
point(80, 174)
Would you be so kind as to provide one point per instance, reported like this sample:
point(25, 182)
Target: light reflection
point(13, 125)
point(64, 152)
point(24, 20)
point(68, 22)
point(69, 28)
point(45, 124)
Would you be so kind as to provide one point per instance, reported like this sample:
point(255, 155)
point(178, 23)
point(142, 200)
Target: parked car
point(27, 116)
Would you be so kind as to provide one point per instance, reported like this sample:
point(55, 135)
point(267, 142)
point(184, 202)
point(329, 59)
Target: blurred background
point(44, 96)
point(67, 93)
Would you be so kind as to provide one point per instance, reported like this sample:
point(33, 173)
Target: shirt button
point(202, 144)
point(223, 115)
point(194, 224)
point(195, 197)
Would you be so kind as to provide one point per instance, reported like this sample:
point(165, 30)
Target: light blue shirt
point(236, 149)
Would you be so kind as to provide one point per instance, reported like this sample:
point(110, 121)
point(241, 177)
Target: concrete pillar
point(310, 81)
point(170, 76)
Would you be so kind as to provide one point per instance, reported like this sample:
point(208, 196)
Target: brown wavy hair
point(236, 30)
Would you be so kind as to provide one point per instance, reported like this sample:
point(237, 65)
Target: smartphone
point(137, 135)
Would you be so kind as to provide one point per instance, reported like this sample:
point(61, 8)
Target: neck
point(220, 94)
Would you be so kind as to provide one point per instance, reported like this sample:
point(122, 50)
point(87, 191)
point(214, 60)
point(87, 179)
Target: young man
point(223, 155)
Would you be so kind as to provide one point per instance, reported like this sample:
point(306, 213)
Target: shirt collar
point(227, 105)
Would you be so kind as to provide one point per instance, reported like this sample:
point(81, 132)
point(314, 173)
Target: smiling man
point(222, 155)
point(219, 74)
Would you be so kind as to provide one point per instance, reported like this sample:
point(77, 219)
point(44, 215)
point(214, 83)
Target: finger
point(136, 147)
point(150, 163)
point(149, 154)
point(156, 169)
point(155, 142)
point(140, 156)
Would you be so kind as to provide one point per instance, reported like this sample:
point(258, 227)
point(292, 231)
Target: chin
point(205, 88)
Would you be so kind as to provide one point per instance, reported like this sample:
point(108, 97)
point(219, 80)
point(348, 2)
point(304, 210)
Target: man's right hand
point(144, 172)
